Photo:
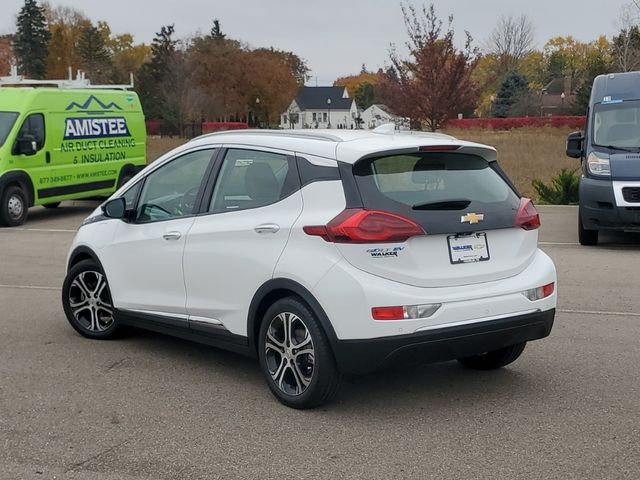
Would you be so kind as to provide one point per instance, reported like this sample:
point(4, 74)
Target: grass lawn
point(524, 153)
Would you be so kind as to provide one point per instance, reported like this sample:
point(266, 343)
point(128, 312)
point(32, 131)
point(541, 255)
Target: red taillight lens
point(539, 293)
point(366, 226)
point(439, 148)
point(527, 216)
point(387, 313)
point(548, 290)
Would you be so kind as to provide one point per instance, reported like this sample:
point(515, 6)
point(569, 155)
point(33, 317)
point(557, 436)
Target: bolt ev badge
point(472, 218)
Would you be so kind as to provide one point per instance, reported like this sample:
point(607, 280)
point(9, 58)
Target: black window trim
point(14, 148)
point(215, 174)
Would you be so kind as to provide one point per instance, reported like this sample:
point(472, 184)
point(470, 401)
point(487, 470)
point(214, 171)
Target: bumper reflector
point(406, 312)
point(539, 293)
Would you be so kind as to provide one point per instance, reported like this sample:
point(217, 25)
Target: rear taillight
point(439, 148)
point(366, 226)
point(539, 293)
point(406, 312)
point(527, 216)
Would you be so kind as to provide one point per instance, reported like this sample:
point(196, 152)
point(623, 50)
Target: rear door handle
point(169, 236)
point(267, 228)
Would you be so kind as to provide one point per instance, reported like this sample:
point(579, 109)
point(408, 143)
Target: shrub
point(562, 191)
point(576, 122)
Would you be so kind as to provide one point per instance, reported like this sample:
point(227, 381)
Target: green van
point(61, 144)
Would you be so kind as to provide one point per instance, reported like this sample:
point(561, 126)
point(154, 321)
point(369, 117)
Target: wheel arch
point(82, 253)
point(274, 290)
point(21, 179)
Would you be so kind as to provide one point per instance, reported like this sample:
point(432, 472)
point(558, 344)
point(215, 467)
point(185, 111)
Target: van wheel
point(14, 207)
point(51, 205)
point(586, 237)
point(494, 359)
point(87, 302)
point(295, 356)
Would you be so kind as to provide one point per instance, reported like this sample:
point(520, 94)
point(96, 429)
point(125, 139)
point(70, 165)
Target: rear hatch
point(472, 216)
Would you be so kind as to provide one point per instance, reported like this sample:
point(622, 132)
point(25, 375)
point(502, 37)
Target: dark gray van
point(609, 151)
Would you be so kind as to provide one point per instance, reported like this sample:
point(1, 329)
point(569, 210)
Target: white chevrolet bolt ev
point(321, 253)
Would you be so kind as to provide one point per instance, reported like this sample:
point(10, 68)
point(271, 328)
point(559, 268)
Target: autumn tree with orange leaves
point(434, 83)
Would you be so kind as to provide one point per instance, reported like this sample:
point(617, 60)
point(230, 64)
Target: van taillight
point(527, 216)
point(366, 226)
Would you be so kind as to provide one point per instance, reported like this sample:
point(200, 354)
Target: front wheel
point(295, 356)
point(494, 359)
point(87, 301)
point(14, 207)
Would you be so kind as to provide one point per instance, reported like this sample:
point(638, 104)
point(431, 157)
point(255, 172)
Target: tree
point(66, 25)
point(510, 41)
point(95, 56)
point(626, 45)
point(513, 90)
point(216, 31)
point(31, 42)
point(434, 83)
point(365, 96)
point(6, 54)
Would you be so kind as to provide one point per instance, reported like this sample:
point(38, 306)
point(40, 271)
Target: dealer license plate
point(468, 248)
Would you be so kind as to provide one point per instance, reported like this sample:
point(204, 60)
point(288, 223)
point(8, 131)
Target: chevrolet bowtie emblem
point(472, 218)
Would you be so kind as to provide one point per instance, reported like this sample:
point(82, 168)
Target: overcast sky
point(335, 37)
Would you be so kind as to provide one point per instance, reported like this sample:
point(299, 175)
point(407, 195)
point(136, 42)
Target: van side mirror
point(27, 145)
point(115, 208)
point(574, 145)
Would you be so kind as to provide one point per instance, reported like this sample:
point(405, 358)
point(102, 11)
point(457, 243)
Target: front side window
point(252, 179)
point(33, 126)
point(617, 125)
point(171, 191)
point(7, 120)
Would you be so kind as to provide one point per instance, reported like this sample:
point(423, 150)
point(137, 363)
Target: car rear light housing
point(539, 293)
point(405, 312)
point(355, 225)
point(438, 148)
point(527, 217)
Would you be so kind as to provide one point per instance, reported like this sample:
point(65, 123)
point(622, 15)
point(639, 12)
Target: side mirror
point(27, 145)
point(115, 208)
point(574, 145)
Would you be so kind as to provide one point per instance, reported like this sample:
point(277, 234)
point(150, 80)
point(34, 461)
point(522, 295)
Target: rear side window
point(433, 188)
point(253, 179)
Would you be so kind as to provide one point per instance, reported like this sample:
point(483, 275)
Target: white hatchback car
point(321, 253)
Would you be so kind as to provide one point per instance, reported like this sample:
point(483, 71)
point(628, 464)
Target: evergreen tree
point(365, 96)
point(31, 43)
point(216, 31)
point(95, 55)
point(154, 76)
point(513, 89)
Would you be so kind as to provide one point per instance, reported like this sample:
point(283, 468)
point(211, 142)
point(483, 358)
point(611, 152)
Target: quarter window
point(171, 191)
point(252, 179)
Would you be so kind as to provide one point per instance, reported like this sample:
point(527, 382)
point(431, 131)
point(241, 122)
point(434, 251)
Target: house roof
point(315, 98)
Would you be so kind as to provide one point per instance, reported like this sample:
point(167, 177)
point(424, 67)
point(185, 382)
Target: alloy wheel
point(90, 301)
point(289, 353)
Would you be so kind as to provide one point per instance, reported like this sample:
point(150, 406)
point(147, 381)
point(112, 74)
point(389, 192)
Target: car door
point(233, 248)
point(143, 259)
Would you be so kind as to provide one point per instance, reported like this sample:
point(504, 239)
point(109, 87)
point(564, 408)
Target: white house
point(378, 114)
point(321, 107)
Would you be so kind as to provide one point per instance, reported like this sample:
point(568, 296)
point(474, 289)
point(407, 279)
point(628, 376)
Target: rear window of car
point(434, 187)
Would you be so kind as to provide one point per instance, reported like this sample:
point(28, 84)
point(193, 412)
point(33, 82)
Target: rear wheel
point(87, 301)
point(295, 356)
point(14, 207)
point(586, 237)
point(51, 205)
point(494, 359)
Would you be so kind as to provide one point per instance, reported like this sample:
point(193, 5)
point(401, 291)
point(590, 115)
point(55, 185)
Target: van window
point(7, 120)
point(34, 125)
point(617, 125)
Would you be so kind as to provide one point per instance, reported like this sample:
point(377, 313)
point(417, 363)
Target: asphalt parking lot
point(153, 407)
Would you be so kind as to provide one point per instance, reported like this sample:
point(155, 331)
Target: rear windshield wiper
point(453, 204)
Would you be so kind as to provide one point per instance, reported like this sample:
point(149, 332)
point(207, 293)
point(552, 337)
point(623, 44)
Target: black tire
point(51, 205)
point(586, 237)
point(126, 174)
point(318, 379)
point(83, 286)
point(494, 359)
point(14, 208)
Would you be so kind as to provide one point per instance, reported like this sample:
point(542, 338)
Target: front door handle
point(267, 228)
point(169, 236)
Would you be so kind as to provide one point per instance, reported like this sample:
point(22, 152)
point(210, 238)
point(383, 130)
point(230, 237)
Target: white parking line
point(597, 312)
point(46, 230)
point(30, 287)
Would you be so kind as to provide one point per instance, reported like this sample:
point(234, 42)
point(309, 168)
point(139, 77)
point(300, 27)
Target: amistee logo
point(95, 127)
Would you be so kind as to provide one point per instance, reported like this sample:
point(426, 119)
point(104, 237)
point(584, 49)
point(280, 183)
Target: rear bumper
point(356, 357)
point(600, 211)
